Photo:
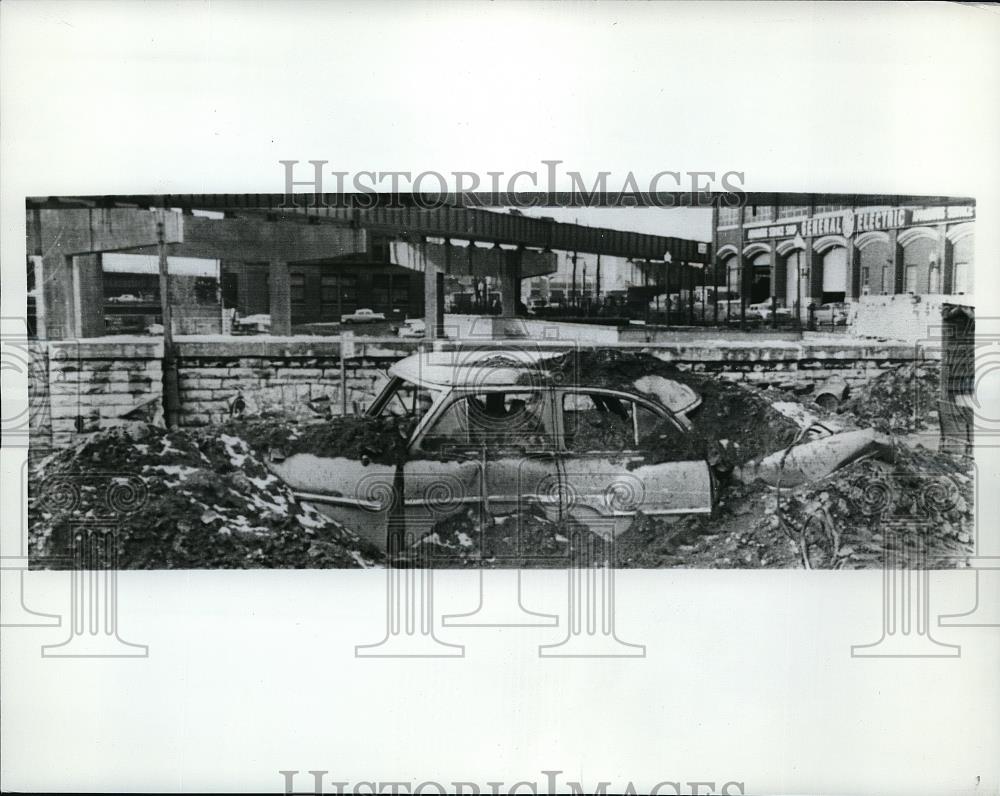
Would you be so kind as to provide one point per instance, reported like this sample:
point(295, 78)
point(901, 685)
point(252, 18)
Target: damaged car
point(496, 433)
point(493, 432)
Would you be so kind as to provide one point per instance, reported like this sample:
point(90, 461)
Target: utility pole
point(572, 291)
point(171, 390)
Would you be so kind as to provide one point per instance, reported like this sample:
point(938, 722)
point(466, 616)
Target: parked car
point(414, 327)
point(252, 324)
point(765, 310)
point(831, 314)
point(486, 434)
point(362, 316)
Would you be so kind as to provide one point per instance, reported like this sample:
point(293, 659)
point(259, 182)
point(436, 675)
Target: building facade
point(796, 255)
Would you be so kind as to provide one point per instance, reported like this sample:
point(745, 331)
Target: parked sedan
point(362, 316)
point(832, 314)
point(414, 327)
point(488, 434)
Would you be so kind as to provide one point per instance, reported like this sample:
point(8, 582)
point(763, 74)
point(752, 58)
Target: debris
point(201, 500)
point(901, 400)
point(813, 460)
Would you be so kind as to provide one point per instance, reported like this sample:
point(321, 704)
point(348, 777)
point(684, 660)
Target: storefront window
point(835, 274)
point(962, 284)
point(792, 211)
point(918, 257)
point(961, 255)
point(796, 284)
point(733, 280)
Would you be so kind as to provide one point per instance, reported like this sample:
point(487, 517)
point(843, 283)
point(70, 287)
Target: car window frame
point(661, 411)
point(464, 393)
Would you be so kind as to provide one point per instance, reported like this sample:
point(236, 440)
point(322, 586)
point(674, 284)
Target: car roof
point(481, 368)
point(522, 368)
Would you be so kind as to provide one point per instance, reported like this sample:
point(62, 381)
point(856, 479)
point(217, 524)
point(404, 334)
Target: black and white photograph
point(499, 397)
point(790, 385)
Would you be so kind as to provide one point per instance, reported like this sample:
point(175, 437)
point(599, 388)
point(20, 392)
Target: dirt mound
point(918, 508)
point(181, 500)
point(902, 400)
point(731, 426)
point(733, 539)
point(383, 440)
point(526, 540)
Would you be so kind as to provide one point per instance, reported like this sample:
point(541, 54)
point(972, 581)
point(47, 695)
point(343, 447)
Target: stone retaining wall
point(301, 378)
point(96, 384)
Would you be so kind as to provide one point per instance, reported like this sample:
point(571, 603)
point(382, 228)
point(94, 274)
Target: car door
point(509, 433)
point(442, 481)
point(359, 495)
point(622, 455)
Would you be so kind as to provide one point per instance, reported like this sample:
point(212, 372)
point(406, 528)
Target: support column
point(57, 297)
point(853, 287)
point(815, 264)
point(896, 255)
point(88, 280)
point(944, 267)
point(433, 294)
point(279, 293)
point(510, 283)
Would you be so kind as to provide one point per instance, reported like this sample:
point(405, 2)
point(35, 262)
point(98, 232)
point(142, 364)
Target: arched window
point(876, 264)
point(917, 263)
point(835, 274)
point(794, 291)
point(961, 259)
point(733, 274)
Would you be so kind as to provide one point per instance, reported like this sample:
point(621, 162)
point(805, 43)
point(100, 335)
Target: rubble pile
point(902, 400)
point(526, 540)
point(918, 508)
point(383, 440)
point(200, 500)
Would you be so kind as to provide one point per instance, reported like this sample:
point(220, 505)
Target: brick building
point(806, 253)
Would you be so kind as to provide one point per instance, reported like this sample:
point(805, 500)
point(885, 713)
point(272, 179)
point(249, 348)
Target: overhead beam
point(251, 240)
point(449, 221)
point(90, 231)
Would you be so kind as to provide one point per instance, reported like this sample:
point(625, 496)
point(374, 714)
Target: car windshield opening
point(408, 400)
